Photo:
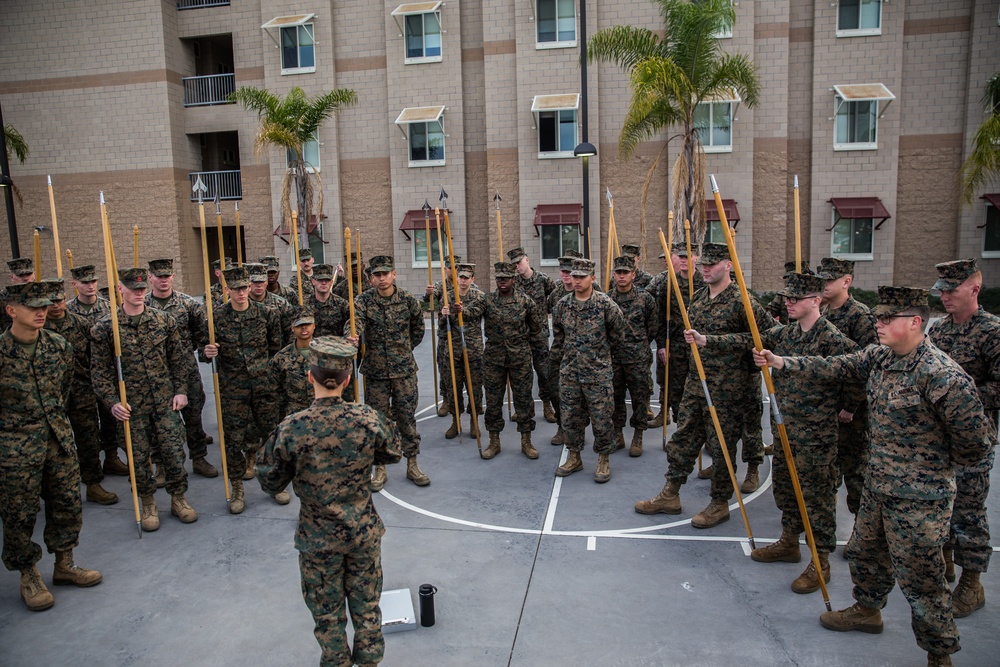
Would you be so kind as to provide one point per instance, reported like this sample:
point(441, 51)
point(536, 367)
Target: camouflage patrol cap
point(583, 267)
point(137, 278)
point(381, 264)
point(332, 353)
point(574, 254)
point(713, 253)
point(271, 262)
point(504, 269)
point(322, 272)
point(84, 274)
point(303, 316)
point(831, 268)
point(237, 277)
point(305, 253)
point(355, 258)
point(566, 263)
point(161, 267)
point(624, 263)
point(892, 300)
point(56, 289)
point(801, 285)
point(516, 254)
point(257, 271)
point(466, 270)
point(953, 274)
point(790, 269)
point(22, 266)
point(32, 295)
point(630, 250)
point(229, 263)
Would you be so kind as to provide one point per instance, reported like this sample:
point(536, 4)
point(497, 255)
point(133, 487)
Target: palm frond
point(16, 144)
point(256, 99)
point(624, 46)
point(983, 164)
point(736, 72)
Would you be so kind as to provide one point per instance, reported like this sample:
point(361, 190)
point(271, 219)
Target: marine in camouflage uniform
point(588, 328)
point(331, 312)
point(926, 418)
point(776, 308)
point(856, 322)
point(190, 317)
point(289, 368)
point(340, 287)
point(247, 335)
point(642, 278)
point(218, 294)
point(154, 368)
point(810, 408)
point(37, 457)
point(82, 406)
point(566, 284)
point(273, 285)
point(306, 264)
point(473, 347)
point(633, 359)
point(722, 313)
point(444, 377)
point(22, 270)
point(970, 336)
point(537, 286)
point(258, 293)
point(512, 324)
point(391, 323)
point(326, 452)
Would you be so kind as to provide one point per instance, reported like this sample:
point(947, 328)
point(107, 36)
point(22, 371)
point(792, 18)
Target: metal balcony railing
point(226, 183)
point(207, 90)
point(198, 4)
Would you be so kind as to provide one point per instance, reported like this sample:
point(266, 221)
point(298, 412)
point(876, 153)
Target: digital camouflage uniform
point(474, 347)
point(307, 286)
point(444, 378)
point(391, 328)
point(326, 452)
point(679, 351)
point(288, 372)
point(93, 310)
point(585, 336)
point(285, 310)
point(155, 369)
point(633, 358)
point(37, 452)
point(538, 288)
point(926, 418)
point(91, 313)
point(555, 297)
point(331, 315)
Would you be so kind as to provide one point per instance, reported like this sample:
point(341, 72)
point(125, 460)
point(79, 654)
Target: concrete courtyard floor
point(531, 570)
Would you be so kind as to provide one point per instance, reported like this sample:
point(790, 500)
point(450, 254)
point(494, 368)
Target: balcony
point(226, 183)
point(200, 91)
point(198, 4)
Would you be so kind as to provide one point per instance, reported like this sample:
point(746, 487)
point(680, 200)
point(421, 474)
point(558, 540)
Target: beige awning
point(864, 92)
point(287, 21)
point(726, 95)
point(554, 102)
point(415, 8)
point(419, 115)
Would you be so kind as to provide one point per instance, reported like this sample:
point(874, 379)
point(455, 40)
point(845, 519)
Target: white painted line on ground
point(591, 543)
point(550, 513)
point(746, 547)
point(449, 519)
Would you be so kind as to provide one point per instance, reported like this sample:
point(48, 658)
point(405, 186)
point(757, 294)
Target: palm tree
point(670, 76)
point(288, 124)
point(16, 144)
point(983, 163)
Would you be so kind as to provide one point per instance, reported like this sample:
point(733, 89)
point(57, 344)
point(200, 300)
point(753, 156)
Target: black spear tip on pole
point(443, 196)
point(497, 198)
point(426, 207)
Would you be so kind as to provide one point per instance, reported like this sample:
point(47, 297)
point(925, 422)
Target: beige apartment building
point(873, 104)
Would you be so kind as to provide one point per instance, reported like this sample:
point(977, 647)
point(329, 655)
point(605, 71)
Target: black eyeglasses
point(886, 319)
point(795, 299)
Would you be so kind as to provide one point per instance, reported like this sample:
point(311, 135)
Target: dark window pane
point(550, 242)
point(992, 242)
point(547, 134)
point(289, 48)
point(847, 16)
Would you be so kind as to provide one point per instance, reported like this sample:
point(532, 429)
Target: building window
point(555, 22)
point(556, 132)
point(556, 240)
point(856, 125)
point(310, 155)
point(991, 232)
point(423, 38)
point(419, 245)
point(859, 17)
point(713, 121)
point(714, 233)
point(852, 238)
point(426, 144)
point(297, 50)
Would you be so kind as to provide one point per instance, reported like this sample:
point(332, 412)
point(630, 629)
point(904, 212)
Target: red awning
point(732, 213)
point(860, 207)
point(283, 230)
point(993, 198)
point(414, 219)
point(557, 214)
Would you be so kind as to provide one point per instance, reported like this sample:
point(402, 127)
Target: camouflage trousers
point(695, 428)
point(752, 435)
point(28, 473)
point(196, 436)
point(678, 375)
point(852, 457)
point(970, 527)
point(899, 540)
point(83, 417)
point(109, 430)
point(495, 377)
point(582, 401)
point(540, 361)
point(249, 414)
point(817, 470)
point(159, 435)
point(637, 380)
point(444, 377)
point(328, 579)
point(396, 398)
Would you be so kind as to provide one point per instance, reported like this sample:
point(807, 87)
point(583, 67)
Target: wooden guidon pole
point(350, 306)
point(798, 228)
point(691, 269)
point(38, 256)
point(69, 261)
point(55, 230)
point(122, 397)
point(766, 372)
point(239, 242)
point(135, 246)
point(665, 406)
point(222, 249)
point(447, 321)
point(430, 281)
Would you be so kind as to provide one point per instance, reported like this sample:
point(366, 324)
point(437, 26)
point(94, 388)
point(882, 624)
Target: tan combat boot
point(968, 596)
point(768, 450)
point(559, 438)
point(236, 502)
point(452, 431)
point(573, 463)
point(494, 446)
point(414, 473)
point(808, 582)
point(150, 517)
point(67, 573)
point(474, 427)
point(160, 477)
point(442, 410)
point(752, 480)
point(251, 470)
point(282, 497)
point(114, 465)
point(34, 593)
point(548, 412)
point(204, 468)
point(949, 564)
point(635, 449)
point(603, 473)
point(667, 502)
point(939, 660)
point(619, 440)
point(379, 479)
point(785, 550)
point(708, 472)
point(180, 508)
point(98, 494)
point(657, 420)
point(855, 617)
point(527, 448)
point(716, 512)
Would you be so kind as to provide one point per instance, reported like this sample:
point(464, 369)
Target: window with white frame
point(556, 240)
point(713, 121)
point(556, 122)
point(857, 109)
point(423, 128)
point(991, 231)
point(310, 155)
point(555, 23)
point(419, 245)
point(420, 30)
point(714, 233)
point(857, 18)
point(297, 49)
point(851, 238)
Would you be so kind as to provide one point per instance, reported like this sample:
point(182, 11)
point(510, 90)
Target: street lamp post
point(586, 149)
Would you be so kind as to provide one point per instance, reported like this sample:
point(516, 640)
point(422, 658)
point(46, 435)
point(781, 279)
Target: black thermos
point(426, 593)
